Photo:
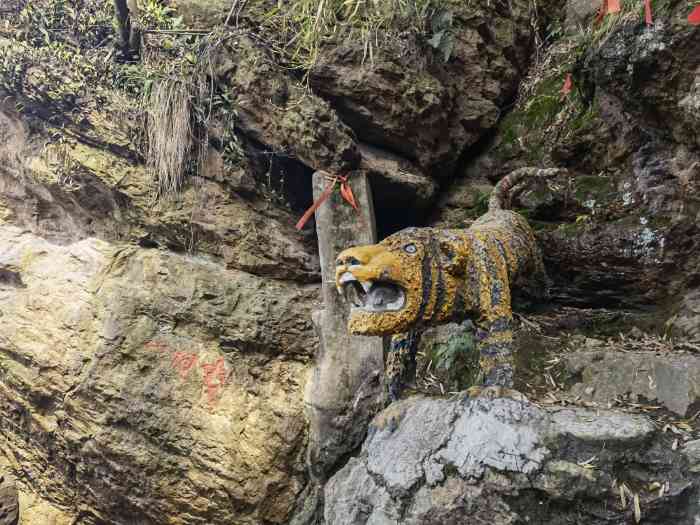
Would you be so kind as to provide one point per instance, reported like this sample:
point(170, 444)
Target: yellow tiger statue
point(421, 277)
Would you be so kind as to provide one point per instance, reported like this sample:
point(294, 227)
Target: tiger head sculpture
point(408, 279)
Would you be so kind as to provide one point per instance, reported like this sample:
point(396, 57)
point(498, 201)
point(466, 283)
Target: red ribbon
point(566, 88)
point(647, 12)
point(345, 192)
point(613, 6)
point(694, 16)
point(601, 12)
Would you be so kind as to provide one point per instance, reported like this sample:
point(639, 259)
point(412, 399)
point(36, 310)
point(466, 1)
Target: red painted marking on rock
point(568, 85)
point(157, 345)
point(183, 363)
point(214, 376)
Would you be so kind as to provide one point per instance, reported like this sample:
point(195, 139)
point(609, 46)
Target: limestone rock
point(297, 123)
point(396, 182)
point(687, 320)
point(658, 68)
point(9, 500)
point(692, 453)
point(579, 14)
point(465, 200)
point(111, 198)
point(439, 461)
point(672, 381)
point(410, 102)
point(142, 385)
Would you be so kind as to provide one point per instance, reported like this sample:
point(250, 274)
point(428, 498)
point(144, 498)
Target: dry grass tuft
point(303, 26)
point(169, 133)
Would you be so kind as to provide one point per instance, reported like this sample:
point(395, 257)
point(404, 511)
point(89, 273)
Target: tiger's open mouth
point(372, 296)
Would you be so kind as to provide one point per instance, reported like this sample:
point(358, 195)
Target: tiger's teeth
point(346, 278)
point(366, 285)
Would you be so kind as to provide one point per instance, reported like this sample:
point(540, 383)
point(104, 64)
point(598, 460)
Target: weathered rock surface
point(672, 381)
point(438, 461)
point(310, 130)
point(140, 384)
point(109, 196)
point(660, 66)
point(392, 175)
point(408, 101)
point(9, 500)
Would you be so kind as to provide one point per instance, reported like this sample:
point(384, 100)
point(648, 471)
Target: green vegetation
point(62, 54)
point(58, 52)
point(456, 361)
point(597, 187)
point(300, 28)
point(66, 57)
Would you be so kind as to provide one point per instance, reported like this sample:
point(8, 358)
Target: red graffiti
point(183, 363)
point(157, 345)
point(214, 376)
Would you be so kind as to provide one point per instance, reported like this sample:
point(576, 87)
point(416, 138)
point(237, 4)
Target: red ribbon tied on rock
point(694, 16)
point(345, 192)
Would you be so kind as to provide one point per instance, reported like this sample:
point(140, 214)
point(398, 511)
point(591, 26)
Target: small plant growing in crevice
point(455, 362)
point(443, 38)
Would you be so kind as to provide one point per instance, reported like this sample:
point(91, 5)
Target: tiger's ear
point(453, 261)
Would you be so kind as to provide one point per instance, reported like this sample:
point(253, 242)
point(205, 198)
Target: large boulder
point(274, 110)
point(673, 381)
point(142, 385)
point(501, 461)
point(409, 100)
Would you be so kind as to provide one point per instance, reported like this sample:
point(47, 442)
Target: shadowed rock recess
point(158, 358)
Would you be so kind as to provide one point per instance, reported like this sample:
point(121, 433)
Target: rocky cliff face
point(155, 348)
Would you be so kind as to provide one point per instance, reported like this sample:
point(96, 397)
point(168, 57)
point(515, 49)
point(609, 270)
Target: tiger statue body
point(421, 277)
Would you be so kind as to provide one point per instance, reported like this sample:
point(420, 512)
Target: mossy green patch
point(524, 130)
point(597, 187)
point(458, 360)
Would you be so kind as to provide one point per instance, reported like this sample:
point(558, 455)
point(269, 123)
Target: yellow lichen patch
point(446, 311)
point(489, 363)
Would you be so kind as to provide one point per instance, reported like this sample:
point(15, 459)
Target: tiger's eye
point(410, 248)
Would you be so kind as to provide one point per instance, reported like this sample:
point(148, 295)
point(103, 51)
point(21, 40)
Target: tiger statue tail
point(515, 182)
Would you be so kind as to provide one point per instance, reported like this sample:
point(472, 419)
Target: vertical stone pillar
point(345, 390)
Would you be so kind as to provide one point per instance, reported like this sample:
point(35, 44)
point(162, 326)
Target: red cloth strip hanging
point(647, 12)
point(694, 16)
point(345, 192)
point(602, 11)
point(566, 88)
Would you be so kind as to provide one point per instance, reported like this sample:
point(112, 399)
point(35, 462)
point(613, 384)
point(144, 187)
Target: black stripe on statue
point(427, 282)
point(458, 307)
point(440, 296)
